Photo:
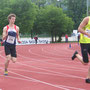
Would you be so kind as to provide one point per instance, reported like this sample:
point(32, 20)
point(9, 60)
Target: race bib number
point(10, 39)
point(88, 31)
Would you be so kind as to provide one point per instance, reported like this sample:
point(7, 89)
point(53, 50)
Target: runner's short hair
point(11, 15)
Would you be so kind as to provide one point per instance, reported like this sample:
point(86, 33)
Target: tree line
point(55, 18)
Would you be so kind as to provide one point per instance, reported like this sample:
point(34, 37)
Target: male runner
point(10, 33)
point(84, 29)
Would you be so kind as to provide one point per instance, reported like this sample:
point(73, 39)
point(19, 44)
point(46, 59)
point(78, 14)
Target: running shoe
point(87, 80)
point(6, 73)
point(74, 55)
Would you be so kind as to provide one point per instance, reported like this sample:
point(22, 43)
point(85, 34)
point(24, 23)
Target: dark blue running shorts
point(10, 50)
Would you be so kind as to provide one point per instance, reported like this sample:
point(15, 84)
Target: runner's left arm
point(18, 37)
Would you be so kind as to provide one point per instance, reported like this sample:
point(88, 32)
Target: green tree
point(51, 20)
point(4, 11)
point(39, 3)
point(76, 9)
point(24, 9)
point(26, 13)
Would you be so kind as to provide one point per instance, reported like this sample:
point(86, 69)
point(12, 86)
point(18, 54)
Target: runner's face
point(12, 20)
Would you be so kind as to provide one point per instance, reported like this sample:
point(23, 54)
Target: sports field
point(44, 67)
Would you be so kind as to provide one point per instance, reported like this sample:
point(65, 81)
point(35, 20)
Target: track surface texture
point(44, 67)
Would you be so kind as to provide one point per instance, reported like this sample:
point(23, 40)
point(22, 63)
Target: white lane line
point(67, 89)
point(42, 55)
point(60, 66)
point(17, 78)
point(50, 63)
point(35, 80)
point(54, 64)
point(36, 59)
point(72, 87)
point(31, 80)
point(50, 52)
point(39, 81)
point(42, 72)
point(61, 74)
point(55, 53)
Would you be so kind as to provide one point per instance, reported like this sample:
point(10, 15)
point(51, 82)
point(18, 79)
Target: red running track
point(44, 67)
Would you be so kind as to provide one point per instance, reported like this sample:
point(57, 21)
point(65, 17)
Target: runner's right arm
point(4, 34)
point(82, 25)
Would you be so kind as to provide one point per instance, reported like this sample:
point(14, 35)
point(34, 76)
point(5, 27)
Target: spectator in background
point(66, 38)
point(36, 38)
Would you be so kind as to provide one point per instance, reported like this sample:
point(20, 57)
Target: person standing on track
point(84, 29)
point(9, 35)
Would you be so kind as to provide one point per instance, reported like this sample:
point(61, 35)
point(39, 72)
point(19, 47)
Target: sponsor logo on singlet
point(87, 31)
point(10, 39)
